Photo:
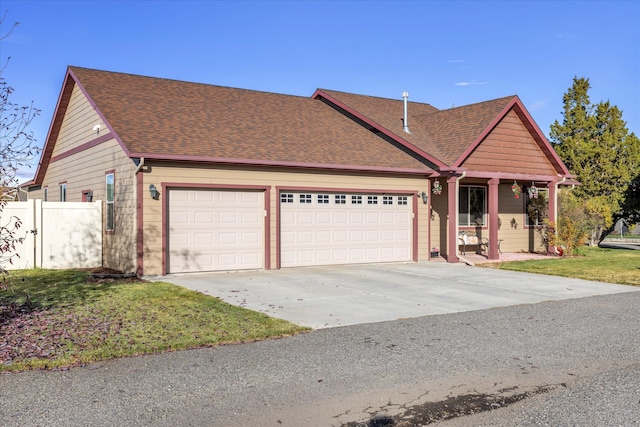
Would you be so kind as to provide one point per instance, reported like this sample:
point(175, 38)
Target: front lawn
point(600, 264)
point(55, 319)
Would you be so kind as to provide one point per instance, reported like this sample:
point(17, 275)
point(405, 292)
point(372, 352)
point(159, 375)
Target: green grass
point(593, 263)
point(53, 319)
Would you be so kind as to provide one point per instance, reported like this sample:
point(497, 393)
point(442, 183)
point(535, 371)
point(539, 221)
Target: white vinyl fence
point(57, 235)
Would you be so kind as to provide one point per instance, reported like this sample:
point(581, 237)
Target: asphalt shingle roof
point(444, 134)
point(176, 119)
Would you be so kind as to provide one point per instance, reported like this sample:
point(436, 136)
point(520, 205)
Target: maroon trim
point(84, 194)
point(529, 124)
point(139, 225)
point(165, 227)
point(320, 94)
point(97, 110)
point(526, 226)
point(276, 163)
point(342, 190)
point(81, 148)
point(414, 240)
point(267, 228)
point(278, 243)
point(452, 209)
point(494, 187)
point(167, 186)
point(429, 220)
point(281, 189)
point(511, 176)
point(54, 127)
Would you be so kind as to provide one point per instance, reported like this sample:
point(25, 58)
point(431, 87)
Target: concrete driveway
point(330, 296)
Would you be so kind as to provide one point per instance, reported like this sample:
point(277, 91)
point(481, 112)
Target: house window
point(45, 195)
point(372, 200)
point(402, 200)
point(110, 198)
point(305, 198)
point(323, 199)
point(536, 206)
point(387, 200)
point(356, 200)
point(472, 206)
point(340, 199)
point(286, 198)
point(63, 192)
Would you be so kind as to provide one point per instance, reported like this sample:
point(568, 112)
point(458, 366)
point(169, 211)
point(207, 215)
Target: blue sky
point(445, 53)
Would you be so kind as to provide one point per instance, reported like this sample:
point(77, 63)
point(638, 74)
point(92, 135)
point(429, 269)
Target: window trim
point(45, 194)
point(525, 191)
point(485, 206)
point(62, 189)
point(110, 228)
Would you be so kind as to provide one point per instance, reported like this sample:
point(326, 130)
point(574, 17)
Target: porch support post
point(494, 185)
point(553, 211)
point(452, 210)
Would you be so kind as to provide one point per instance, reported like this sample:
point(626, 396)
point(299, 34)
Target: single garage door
point(322, 228)
point(215, 230)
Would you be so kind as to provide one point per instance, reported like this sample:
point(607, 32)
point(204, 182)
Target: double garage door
point(224, 230)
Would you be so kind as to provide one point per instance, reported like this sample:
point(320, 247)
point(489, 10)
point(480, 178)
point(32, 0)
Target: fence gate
point(57, 235)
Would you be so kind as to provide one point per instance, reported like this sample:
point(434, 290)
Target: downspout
point(139, 232)
point(140, 166)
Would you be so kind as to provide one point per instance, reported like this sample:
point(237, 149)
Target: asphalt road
point(585, 351)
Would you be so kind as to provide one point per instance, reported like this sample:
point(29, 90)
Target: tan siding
point(515, 236)
point(510, 148)
point(439, 218)
point(263, 177)
point(85, 170)
point(77, 125)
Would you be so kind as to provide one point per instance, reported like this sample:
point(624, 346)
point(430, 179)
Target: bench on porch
point(466, 238)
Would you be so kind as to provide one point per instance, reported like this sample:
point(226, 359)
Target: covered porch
point(482, 217)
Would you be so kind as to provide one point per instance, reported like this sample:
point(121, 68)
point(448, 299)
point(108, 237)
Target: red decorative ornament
point(516, 190)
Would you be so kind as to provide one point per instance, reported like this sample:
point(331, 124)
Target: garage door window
point(372, 200)
point(323, 199)
point(356, 200)
point(305, 198)
point(402, 200)
point(387, 200)
point(340, 199)
point(286, 198)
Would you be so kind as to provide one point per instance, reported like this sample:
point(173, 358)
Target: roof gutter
point(140, 166)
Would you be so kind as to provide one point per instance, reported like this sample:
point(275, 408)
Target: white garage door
point(321, 229)
point(215, 230)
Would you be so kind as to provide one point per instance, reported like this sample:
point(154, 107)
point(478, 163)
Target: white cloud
point(538, 105)
point(471, 83)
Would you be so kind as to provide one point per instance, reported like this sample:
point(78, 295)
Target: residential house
point(197, 177)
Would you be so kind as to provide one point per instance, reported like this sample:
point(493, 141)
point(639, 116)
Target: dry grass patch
point(55, 319)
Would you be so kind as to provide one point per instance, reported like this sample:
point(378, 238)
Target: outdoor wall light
point(155, 194)
point(425, 197)
point(89, 196)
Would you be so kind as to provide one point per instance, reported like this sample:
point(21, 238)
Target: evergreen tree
point(596, 146)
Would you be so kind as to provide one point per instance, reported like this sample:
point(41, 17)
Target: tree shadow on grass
point(27, 291)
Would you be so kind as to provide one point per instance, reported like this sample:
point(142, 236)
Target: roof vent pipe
point(405, 126)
